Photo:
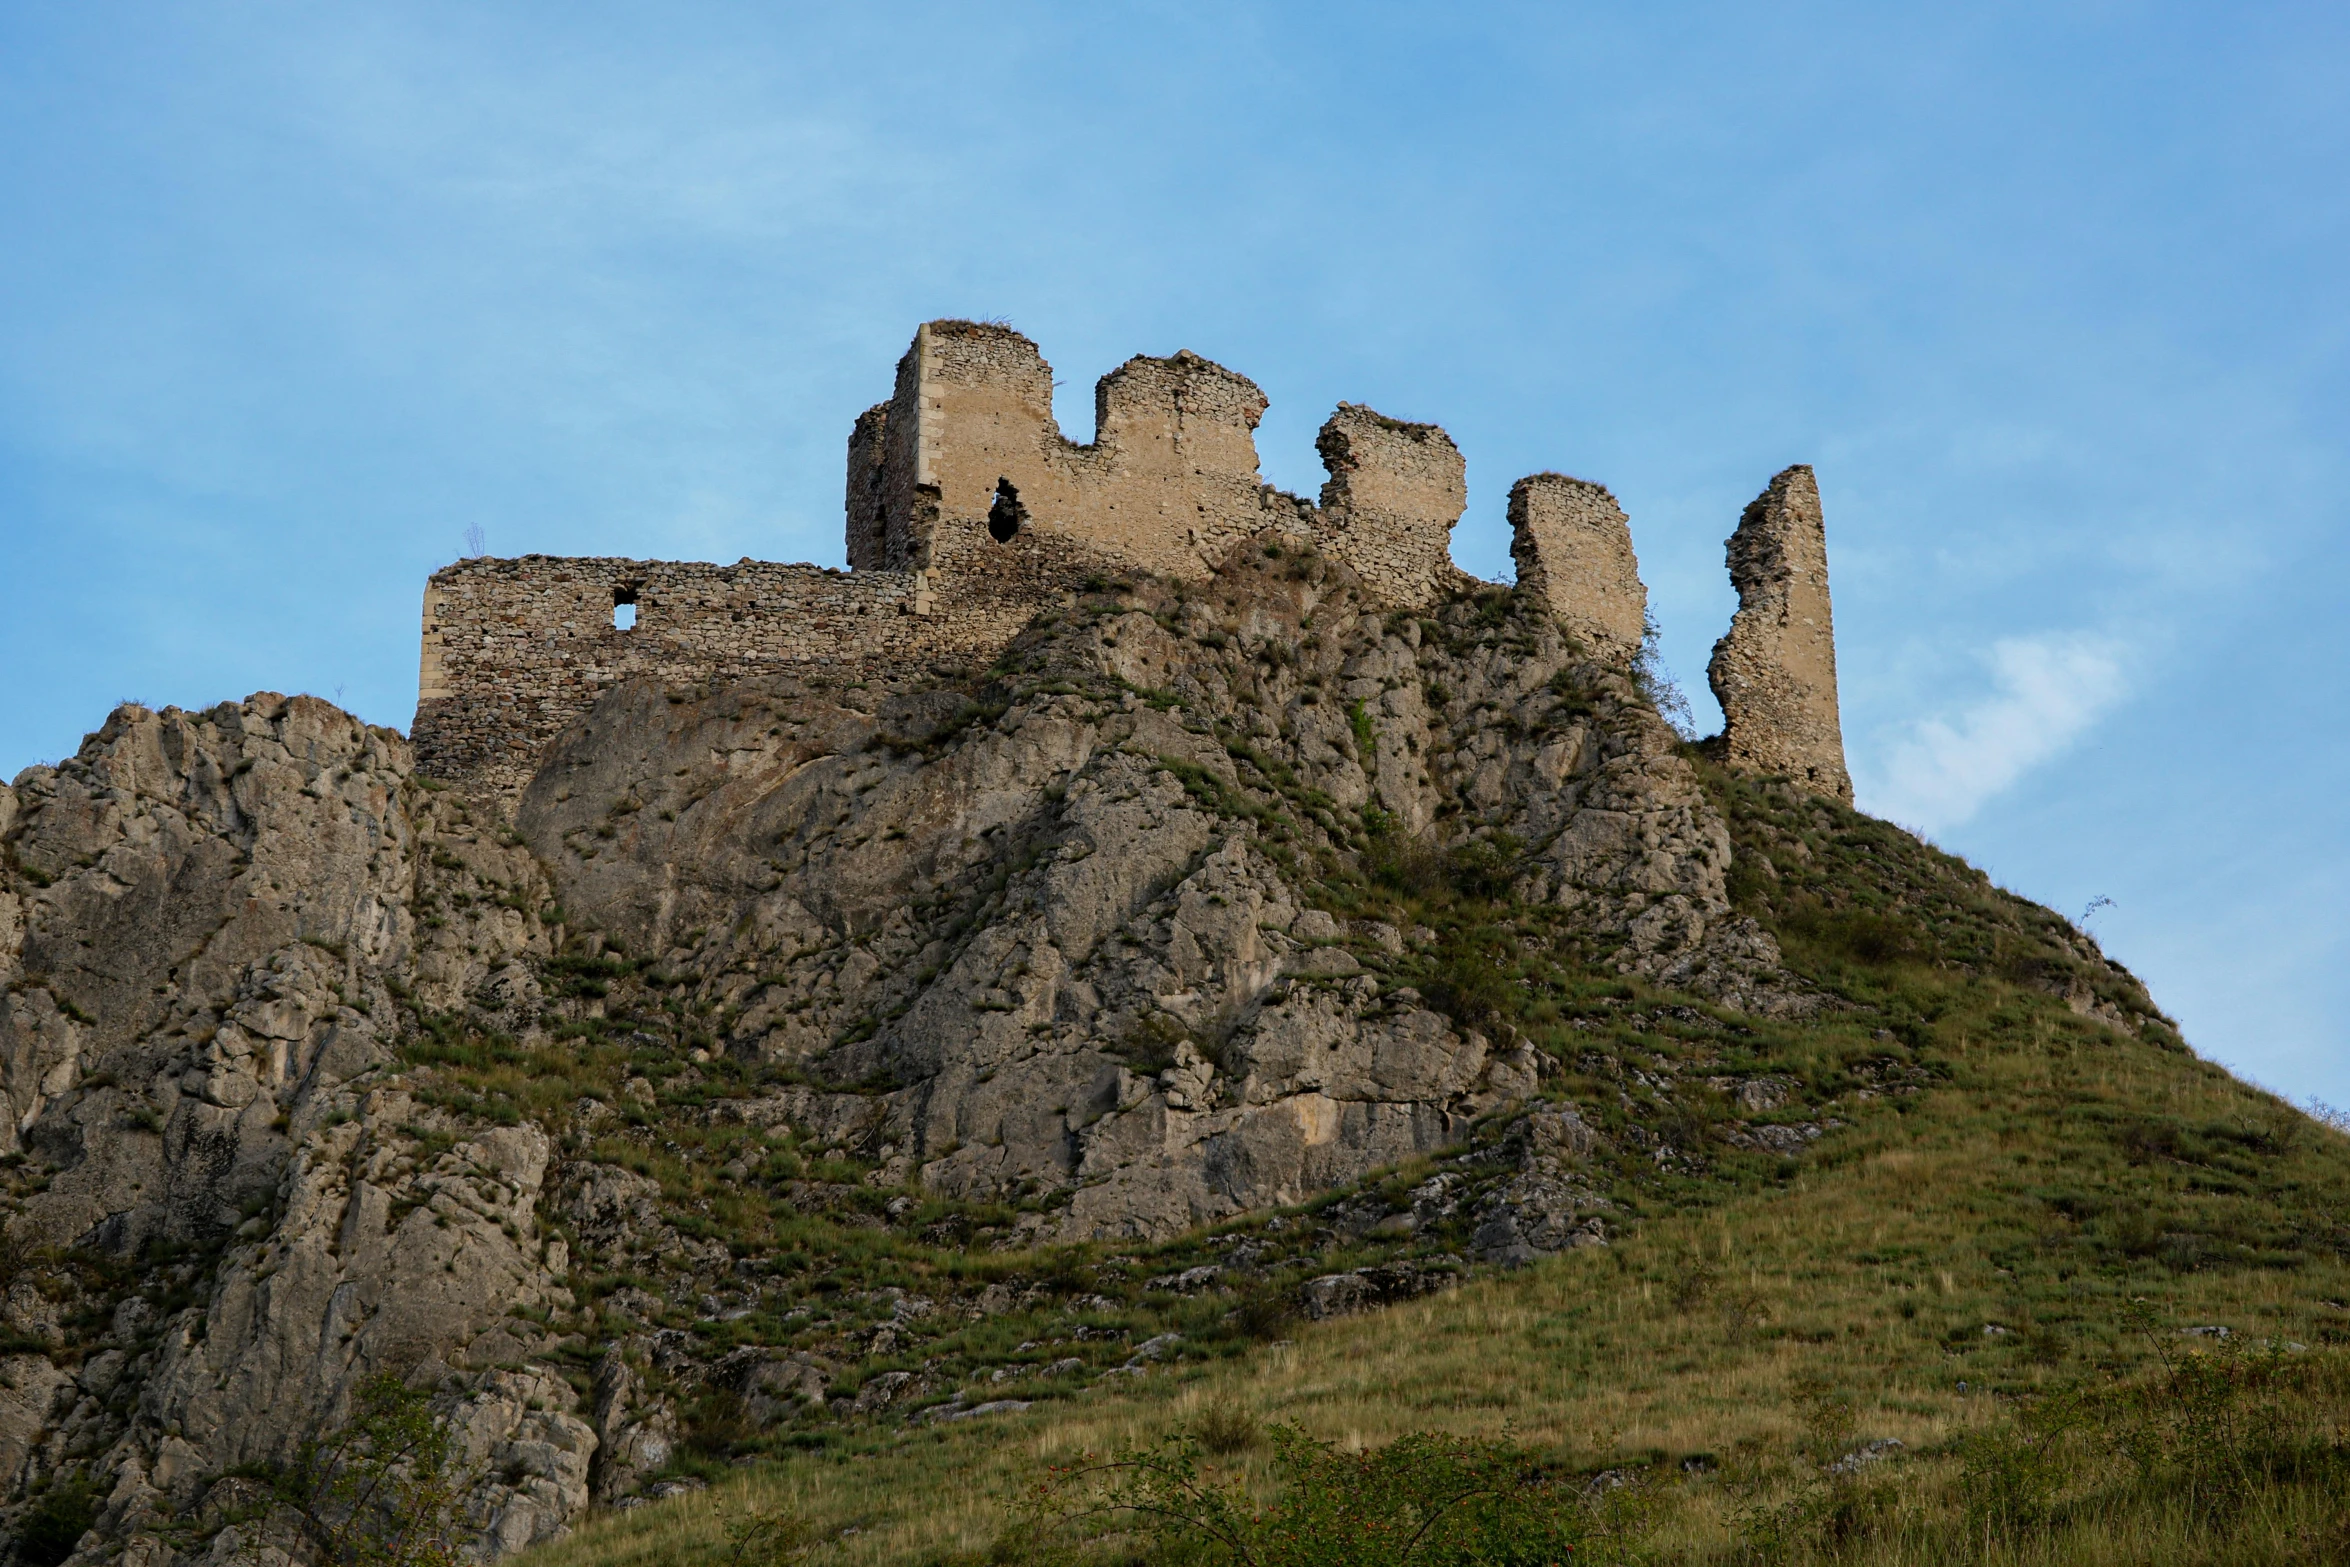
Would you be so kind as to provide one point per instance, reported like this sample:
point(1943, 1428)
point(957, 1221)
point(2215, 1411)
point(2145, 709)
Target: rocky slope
point(796, 1052)
point(1073, 919)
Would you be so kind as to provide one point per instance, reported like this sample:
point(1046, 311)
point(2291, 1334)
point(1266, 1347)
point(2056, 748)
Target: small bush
point(1470, 986)
point(759, 1537)
point(1225, 1428)
point(1265, 1315)
point(382, 1491)
point(55, 1522)
point(1693, 1283)
point(1149, 1046)
point(1863, 936)
point(1655, 682)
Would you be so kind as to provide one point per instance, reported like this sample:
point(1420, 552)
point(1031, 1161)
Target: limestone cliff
point(786, 1020)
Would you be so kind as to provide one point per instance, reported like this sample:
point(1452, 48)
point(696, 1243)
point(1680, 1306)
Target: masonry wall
point(971, 460)
point(1169, 483)
point(1775, 672)
point(1573, 546)
point(514, 650)
point(966, 510)
point(1395, 490)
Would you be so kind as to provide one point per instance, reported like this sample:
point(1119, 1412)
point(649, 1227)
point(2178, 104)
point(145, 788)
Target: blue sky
point(2054, 296)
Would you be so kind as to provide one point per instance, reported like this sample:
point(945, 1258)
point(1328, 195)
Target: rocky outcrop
point(1775, 671)
point(316, 1070)
point(1068, 919)
point(210, 926)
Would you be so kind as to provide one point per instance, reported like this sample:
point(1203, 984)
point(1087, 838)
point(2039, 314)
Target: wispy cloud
point(2046, 690)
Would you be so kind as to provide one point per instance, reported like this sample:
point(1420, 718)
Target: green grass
point(2032, 1191)
point(2026, 1189)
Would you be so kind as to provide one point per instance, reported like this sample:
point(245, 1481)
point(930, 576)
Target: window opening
point(1006, 515)
point(624, 609)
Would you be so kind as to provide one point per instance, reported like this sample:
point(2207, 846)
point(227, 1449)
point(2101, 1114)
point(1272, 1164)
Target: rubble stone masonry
point(1394, 493)
point(513, 650)
point(1775, 671)
point(967, 511)
point(1573, 546)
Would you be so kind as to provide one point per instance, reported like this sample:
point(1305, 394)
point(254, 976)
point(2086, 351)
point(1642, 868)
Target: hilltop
point(1238, 991)
point(1140, 953)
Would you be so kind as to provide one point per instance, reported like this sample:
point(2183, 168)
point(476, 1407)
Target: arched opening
point(624, 609)
point(1006, 515)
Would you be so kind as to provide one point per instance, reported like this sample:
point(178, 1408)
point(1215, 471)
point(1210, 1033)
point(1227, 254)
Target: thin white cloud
point(2047, 690)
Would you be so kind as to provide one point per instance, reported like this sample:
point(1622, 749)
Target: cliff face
point(207, 938)
point(317, 1070)
point(1072, 921)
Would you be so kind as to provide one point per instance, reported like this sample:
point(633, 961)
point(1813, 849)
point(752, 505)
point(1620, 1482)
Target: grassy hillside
point(2010, 1252)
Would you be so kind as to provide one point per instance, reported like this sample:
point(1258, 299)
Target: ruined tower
point(1395, 490)
point(966, 459)
point(1775, 672)
point(1573, 546)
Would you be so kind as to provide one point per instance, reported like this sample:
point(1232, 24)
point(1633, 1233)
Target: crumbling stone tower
point(1395, 490)
point(965, 478)
point(1573, 546)
point(966, 459)
point(1775, 672)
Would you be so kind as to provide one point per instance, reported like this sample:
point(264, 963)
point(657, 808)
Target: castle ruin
point(968, 512)
point(1774, 672)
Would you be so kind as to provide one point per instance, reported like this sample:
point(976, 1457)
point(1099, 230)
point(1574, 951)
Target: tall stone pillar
point(1775, 672)
point(1573, 546)
point(1395, 490)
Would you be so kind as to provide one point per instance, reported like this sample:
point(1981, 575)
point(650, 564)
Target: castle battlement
point(967, 511)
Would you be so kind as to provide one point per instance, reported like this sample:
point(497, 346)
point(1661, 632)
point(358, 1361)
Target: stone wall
point(514, 650)
point(1775, 672)
point(1394, 493)
point(1573, 546)
point(971, 457)
point(967, 510)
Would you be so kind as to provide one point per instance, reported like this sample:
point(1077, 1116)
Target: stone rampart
point(1775, 672)
point(1573, 546)
point(967, 459)
point(967, 510)
point(514, 650)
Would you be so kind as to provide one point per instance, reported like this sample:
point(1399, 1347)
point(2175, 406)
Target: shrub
point(1225, 1428)
point(1863, 936)
point(1265, 1314)
point(382, 1492)
point(758, 1537)
point(1470, 986)
point(1484, 868)
point(1655, 682)
point(55, 1522)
